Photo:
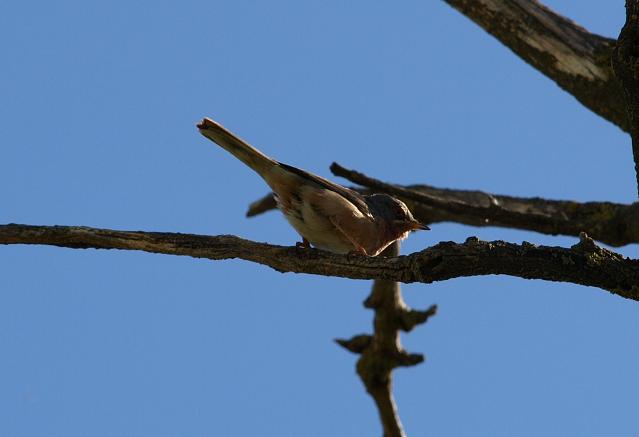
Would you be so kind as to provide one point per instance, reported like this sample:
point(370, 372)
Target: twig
point(596, 267)
point(262, 205)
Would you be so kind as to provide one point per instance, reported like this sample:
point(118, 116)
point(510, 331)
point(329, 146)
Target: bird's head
point(395, 214)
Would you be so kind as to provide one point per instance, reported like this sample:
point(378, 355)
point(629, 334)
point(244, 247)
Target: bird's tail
point(243, 151)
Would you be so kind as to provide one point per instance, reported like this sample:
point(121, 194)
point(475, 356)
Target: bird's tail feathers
point(239, 148)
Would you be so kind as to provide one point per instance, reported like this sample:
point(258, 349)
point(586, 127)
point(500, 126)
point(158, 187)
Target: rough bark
point(382, 352)
point(584, 263)
point(625, 60)
point(577, 60)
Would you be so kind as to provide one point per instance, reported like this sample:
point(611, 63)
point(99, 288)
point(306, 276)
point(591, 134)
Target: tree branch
point(382, 352)
point(625, 61)
point(611, 223)
point(577, 60)
point(584, 264)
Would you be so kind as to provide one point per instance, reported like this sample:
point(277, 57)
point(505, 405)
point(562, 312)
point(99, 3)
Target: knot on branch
point(409, 318)
point(375, 366)
point(586, 244)
point(356, 344)
point(406, 359)
point(470, 241)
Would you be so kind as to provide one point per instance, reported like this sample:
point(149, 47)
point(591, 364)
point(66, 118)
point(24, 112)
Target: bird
point(327, 215)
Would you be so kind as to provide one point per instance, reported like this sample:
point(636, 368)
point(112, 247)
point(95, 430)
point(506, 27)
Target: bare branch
point(376, 364)
point(577, 60)
point(596, 268)
point(625, 60)
point(610, 223)
point(382, 352)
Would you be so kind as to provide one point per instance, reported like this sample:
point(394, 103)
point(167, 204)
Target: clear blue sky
point(97, 125)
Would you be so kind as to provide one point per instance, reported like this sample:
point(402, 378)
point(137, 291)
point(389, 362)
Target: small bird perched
point(325, 214)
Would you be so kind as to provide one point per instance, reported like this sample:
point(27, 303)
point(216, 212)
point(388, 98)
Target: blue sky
point(97, 121)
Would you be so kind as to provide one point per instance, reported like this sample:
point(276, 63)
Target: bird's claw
point(359, 251)
point(304, 244)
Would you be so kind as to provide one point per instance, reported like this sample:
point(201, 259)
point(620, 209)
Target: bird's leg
point(304, 244)
point(357, 251)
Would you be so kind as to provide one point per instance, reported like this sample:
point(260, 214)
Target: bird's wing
point(352, 196)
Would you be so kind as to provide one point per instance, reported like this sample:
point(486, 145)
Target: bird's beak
point(417, 226)
point(422, 227)
point(410, 225)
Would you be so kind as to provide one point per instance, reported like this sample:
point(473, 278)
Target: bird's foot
point(304, 244)
point(359, 250)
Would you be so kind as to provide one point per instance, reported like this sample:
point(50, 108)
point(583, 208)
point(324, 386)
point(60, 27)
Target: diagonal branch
point(625, 60)
point(584, 263)
point(577, 60)
point(611, 223)
point(614, 224)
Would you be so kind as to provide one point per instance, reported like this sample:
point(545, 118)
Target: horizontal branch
point(577, 60)
point(584, 263)
point(611, 223)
